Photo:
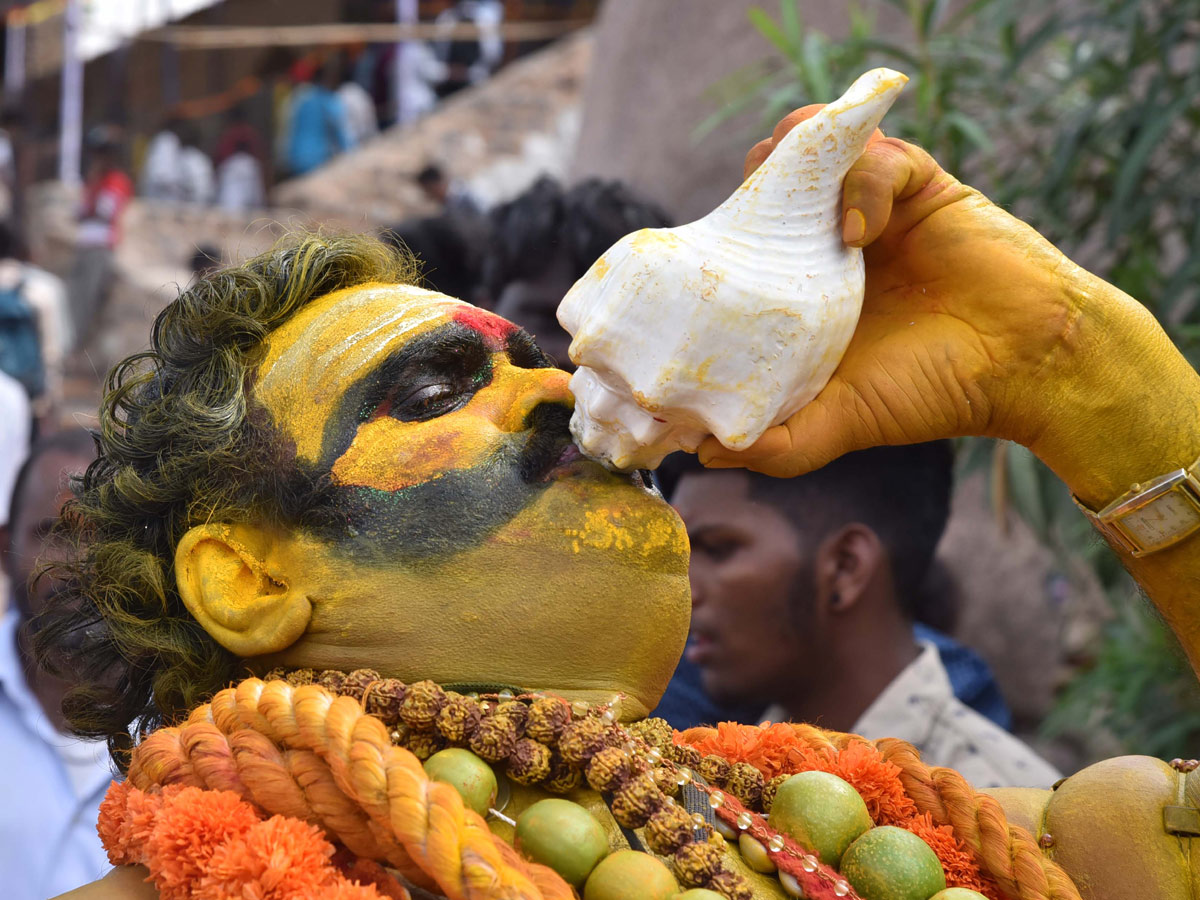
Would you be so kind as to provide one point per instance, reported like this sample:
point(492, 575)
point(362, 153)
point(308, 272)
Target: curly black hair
point(181, 442)
point(582, 221)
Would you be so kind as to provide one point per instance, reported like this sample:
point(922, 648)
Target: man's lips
point(701, 648)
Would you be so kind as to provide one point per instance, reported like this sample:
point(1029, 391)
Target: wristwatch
point(1151, 516)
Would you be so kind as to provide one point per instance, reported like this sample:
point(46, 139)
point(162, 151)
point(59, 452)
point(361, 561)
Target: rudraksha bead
point(547, 716)
point(608, 770)
point(384, 700)
point(423, 744)
point(655, 733)
point(581, 740)
point(714, 770)
point(563, 776)
point(301, 677)
point(637, 800)
point(746, 783)
point(422, 702)
point(696, 862)
point(769, 789)
point(665, 779)
point(514, 710)
point(279, 673)
point(495, 738)
point(732, 885)
point(459, 718)
point(686, 756)
point(529, 762)
point(668, 829)
point(358, 681)
point(332, 680)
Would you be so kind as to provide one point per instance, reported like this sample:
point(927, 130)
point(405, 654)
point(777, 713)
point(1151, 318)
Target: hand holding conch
point(972, 324)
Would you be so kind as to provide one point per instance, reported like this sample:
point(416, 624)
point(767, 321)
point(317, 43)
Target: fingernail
point(854, 226)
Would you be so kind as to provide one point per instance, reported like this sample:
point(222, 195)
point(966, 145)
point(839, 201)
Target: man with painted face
point(316, 466)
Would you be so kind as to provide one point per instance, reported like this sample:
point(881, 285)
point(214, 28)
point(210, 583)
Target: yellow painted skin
point(583, 591)
point(973, 325)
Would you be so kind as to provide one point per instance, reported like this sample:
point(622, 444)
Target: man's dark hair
point(75, 441)
point(900, 493)
point(581, 222)
point(181, 442)
point(450, 249)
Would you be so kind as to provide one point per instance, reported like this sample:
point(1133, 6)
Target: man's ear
point(230, 586)
point(847, 562)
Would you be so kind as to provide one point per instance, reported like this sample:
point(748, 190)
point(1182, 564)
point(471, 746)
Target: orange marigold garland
point(779, 749)
point(212, 845)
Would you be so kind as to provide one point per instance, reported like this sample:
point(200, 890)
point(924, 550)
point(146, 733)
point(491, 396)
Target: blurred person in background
point(48, 840)
point(469, 61)
point(106, 192)
point(451, 250)
point(317, 128)
point(358, 105)
point(804, 593)
point(240, 184)
point(199, 185)
point(239, 135)
point(35, 324)
point(450, 194)
point(162, 170)
point(16, 429)
point(545, 239)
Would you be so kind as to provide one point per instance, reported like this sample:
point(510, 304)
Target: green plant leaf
point(768, 28)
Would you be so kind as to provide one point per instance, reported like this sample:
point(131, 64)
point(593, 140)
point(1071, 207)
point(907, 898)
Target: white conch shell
point(729, 324)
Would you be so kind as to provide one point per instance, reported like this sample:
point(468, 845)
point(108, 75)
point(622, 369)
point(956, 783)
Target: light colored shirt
point(53, 787)
point(919, 706)
point(240, 183)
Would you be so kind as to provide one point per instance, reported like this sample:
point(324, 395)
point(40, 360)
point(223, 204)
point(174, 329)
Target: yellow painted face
point(471, 543)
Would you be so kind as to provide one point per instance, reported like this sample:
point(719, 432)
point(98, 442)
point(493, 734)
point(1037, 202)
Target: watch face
point(1162, 520)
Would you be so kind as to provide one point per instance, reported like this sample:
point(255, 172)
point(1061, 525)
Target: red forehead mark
point(493, 328)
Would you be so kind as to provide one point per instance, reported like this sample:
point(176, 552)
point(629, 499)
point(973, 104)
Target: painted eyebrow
point(453, 346)
point(523, 351)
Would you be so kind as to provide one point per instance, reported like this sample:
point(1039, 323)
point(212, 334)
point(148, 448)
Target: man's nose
point(697, 585)
point(529, 389)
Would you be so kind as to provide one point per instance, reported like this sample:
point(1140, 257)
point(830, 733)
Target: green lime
point(889, 863)
point(821, 812)
point(562, 835)
point(630, 875)
point(958, 894)
point(466, 773)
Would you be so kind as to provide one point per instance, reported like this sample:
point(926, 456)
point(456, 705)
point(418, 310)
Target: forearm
point(1125, 408)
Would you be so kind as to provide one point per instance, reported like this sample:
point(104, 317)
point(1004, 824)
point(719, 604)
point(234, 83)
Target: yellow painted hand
point(963, 316)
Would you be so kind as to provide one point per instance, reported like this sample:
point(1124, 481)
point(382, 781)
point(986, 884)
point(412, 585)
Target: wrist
point(1118, 402)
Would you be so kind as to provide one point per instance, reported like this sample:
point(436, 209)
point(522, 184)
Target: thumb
point(837, 422)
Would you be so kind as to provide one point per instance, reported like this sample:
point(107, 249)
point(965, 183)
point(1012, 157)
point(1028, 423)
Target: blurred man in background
point(48, 840)
point(106, 192)
point(804, 593)
point(546, 238)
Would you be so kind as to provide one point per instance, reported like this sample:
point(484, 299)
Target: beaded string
point(544, 740)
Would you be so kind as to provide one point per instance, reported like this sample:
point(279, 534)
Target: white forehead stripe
point(303, 364)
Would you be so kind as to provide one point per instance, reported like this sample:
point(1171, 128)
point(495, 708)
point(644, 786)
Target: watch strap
point(1185, 483)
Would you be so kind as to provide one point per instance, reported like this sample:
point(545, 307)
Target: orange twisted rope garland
point(419, 826)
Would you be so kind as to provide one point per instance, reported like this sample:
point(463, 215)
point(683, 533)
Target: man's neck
point(852, 685)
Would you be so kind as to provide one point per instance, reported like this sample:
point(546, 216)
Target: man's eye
point(429, 401)
point(715, 548)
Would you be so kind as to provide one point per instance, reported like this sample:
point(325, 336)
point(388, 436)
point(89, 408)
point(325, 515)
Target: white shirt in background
point(53, 787)
point(199, 185)
point(162, 172)
point(919, 706)
point(240, 183)
point(360, 112)
point(15, 422)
